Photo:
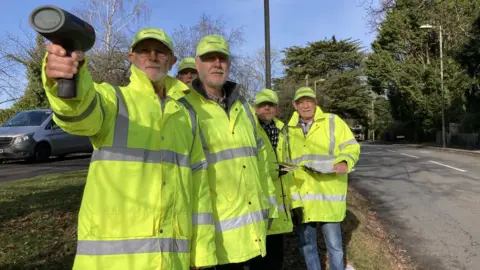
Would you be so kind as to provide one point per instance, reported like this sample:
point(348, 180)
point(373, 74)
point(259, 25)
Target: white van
point(34, 136)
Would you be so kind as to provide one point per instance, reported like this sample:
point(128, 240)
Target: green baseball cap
point(304, 92)
point(213, 43)
point(187, 63)
point(266, 95)
point(152, 33)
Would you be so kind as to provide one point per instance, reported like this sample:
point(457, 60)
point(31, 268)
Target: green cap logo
point(212, 43)
point(152, 33)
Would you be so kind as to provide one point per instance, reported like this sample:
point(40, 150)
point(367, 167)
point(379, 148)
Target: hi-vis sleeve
point(88, 114)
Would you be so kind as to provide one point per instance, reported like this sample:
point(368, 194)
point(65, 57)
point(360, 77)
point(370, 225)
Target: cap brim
point(145, 38)
point(188, 67)
point(305, 95)
point(260, 101)
point(216, 50)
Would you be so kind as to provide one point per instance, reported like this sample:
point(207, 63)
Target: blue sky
point(292, 22)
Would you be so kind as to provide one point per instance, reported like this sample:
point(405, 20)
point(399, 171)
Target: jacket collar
point(231, 90)
point(278, 123)
point(139, 81)
point(319, 115)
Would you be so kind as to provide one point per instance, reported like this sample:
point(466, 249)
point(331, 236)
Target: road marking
point(391, 151)
point(408, 155)
point(441, 164)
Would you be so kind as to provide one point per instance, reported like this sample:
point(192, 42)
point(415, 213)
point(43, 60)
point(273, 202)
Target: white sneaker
point(349, 267)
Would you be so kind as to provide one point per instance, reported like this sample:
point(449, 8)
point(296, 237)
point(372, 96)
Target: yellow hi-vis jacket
point(286, 191)
point(242, 191)
point(146, 203)
point(323, 195)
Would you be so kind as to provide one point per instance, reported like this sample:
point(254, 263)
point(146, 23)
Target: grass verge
point(38, 218)
point(366, 245)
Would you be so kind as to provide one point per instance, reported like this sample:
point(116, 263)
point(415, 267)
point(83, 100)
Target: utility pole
point(373, 120)
point(428, 26)
point(315, 84)
point(441, 86)
point(268, 71)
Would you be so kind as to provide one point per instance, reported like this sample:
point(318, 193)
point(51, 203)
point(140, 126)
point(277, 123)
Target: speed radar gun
point(67, 30)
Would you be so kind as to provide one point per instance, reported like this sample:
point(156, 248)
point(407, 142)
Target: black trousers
point(235, 266)
point(274, 258)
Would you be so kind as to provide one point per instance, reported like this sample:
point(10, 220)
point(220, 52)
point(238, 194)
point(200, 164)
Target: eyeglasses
point(147, 52)
point(187, 72)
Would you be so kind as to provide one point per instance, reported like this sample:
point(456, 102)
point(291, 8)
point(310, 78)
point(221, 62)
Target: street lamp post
point(428, 26)
point(315, 84)
point(268, 70)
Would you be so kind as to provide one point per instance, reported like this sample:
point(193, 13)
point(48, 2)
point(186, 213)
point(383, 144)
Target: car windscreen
point(31, 118)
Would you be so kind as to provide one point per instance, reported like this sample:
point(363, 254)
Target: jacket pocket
point(125, 225)
point(183, 225)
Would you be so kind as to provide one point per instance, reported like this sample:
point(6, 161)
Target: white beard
point(159, 77)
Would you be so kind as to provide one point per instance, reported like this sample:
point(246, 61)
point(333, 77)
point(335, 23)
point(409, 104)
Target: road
point(20, 169)
point(428, 199)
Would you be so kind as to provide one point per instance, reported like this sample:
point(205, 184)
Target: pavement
point(16, 170)
point(428, 199)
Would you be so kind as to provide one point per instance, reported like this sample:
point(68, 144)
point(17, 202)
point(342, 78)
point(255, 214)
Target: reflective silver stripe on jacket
point(324, 197)
point(243, 220)
point(88, 111)
point(120, 152)
point(202, 219)
point(349, 142)
point(347, 155)
point(246, 107)
point(140, 155)
point(311, 157)
point(273, 200)
point(131, 246)
point(331, 148)
point(295, 196)
point(233, 153)
point(120, 132)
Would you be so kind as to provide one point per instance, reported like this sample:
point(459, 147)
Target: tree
point(31, 59)
point(13, 53)
point(405, 63)
point(339, 64)
point(468, 57)
point(258, 58)
point(285, 88)
point(186, 38)
point(111, 20)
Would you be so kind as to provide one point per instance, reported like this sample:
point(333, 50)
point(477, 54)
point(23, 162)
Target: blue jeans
point(307, 238)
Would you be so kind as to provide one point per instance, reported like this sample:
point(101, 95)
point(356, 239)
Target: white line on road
point(438, 163)
point(408, 155)
point(391, 151)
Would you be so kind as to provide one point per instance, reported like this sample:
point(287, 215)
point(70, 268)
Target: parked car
point(34, 136)
point(358, 132)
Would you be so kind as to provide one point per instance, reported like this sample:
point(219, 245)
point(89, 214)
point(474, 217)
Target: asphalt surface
point(429, 201)
point(15, 170)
